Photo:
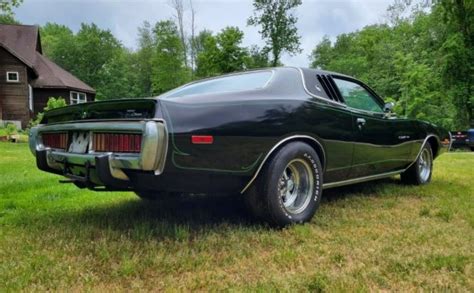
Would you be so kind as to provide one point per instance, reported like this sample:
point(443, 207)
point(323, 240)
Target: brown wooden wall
point(41, 96)
point(13, 96)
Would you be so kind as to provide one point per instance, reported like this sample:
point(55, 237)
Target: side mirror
point(387, 108)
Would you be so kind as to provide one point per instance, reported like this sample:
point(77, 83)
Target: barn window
point(77, 98)
point(13, 76)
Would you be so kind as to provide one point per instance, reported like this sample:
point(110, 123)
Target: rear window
point(231, 83)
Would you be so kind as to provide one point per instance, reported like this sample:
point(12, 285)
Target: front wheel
point(289, 189)
point(420, 172)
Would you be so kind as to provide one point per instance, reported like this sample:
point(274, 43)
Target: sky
point(316, 18)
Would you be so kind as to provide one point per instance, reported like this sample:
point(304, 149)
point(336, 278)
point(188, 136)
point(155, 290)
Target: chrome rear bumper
point(151, 158)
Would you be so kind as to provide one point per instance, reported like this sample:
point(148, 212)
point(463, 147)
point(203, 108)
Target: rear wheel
point(420, 172)
point(289, 188)
point(472, 149)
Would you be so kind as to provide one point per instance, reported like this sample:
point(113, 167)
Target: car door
point(381, 144)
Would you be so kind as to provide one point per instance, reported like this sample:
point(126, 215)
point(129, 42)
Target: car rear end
point(96, 145)
point(460, 139)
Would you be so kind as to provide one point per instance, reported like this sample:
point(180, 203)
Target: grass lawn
point(373, 236)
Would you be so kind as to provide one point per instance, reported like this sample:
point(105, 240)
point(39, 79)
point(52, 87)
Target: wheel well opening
point(316, 146)
point(434, 146)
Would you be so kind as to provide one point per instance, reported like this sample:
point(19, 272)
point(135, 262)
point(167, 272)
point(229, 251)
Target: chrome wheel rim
point(424, 165)
point(296, 186)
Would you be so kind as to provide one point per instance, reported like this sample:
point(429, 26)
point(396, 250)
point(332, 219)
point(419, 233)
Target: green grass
point(374, 236)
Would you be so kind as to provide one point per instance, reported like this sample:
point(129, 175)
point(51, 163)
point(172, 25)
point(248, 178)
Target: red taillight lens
point(57, 140)
point(202, 139)
point(117, 142)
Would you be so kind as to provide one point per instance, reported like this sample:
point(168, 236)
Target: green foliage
point(143, 60)
point(419, 62)
point(258, 58)
point(93, 55)
point(278, 26)
point(6, 6)
point(52, 103)
point(8, 19)
point(10, 129)
point(222, 53)
point(168, 61)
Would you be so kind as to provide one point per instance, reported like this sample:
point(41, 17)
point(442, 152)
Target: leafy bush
point(11, 129)
point(52, 103)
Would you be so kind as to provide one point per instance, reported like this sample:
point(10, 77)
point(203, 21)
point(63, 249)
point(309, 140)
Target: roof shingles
point(22, 42)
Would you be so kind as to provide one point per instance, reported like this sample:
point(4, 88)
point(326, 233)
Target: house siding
point(14, 103)
point(41, 96)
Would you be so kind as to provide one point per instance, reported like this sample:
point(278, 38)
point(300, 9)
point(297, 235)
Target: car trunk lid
point(129, 109)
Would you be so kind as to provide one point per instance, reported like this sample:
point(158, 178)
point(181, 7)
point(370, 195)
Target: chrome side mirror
point(387, 108)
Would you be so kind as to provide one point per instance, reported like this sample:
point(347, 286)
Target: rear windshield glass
point(238, 82)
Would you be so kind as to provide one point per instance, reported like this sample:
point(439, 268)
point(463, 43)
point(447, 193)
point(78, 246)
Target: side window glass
point(357, 97)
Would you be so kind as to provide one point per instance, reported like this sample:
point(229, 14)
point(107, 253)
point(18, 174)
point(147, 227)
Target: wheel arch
point(434, 144)
point(311, 141)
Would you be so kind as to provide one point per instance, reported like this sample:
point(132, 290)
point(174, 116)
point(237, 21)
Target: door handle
point(360, 122)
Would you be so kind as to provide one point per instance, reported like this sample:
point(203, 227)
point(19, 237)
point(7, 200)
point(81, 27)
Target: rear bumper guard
point(101, 164)
point(108, 166)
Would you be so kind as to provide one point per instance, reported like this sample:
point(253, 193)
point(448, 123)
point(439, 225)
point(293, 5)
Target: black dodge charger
point(277, 136)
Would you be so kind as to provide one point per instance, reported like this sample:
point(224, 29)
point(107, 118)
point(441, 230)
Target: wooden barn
point(28, 78)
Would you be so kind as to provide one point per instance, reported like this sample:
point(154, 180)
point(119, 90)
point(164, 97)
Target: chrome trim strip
point(421, 148)
point(361, 179)
point(274, 148)
point(450, 141)
point(338, 183)
point(151, 158)
point(341, 105)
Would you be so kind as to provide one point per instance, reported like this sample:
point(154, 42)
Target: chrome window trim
point(339, 104)
point(274, 148)
point(272, 71)
point(316, 96)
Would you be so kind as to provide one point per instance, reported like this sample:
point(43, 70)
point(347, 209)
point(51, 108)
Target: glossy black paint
point(248, 125)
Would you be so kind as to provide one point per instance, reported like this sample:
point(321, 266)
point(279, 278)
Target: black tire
point(414, 175)
point(472, 149)
point(303, 172)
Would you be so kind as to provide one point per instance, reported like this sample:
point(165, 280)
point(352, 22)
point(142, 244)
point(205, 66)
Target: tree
point(169, 70)
point(178, 6)
point(321, 55)
point(458, 55)
point(144, 58)
point(222, 53)
point(93, 55)
point(278, 26)
point(193, 37)
point(207, 55)
point(6, 6)
point(8, 19)
point(419, 60)
point(257, 58)
point(58, 43)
